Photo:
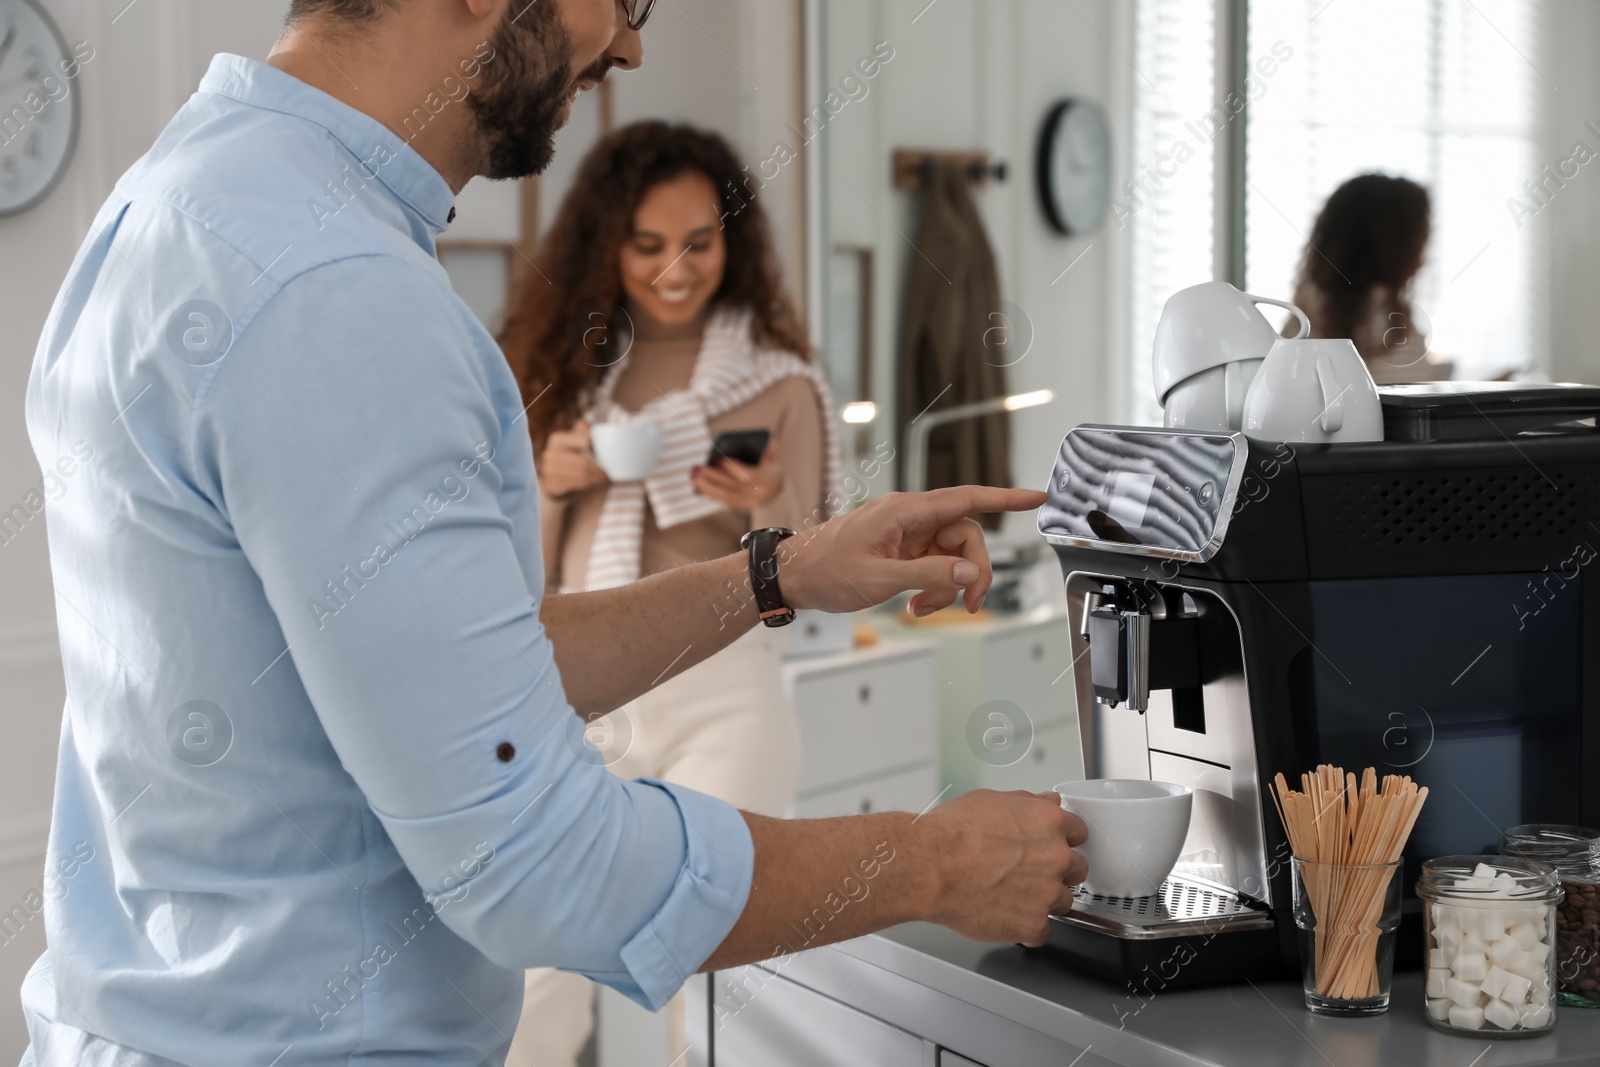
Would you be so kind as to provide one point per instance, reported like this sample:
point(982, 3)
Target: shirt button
point(506, 751)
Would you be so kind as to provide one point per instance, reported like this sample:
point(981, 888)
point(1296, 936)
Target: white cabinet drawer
point(860, 720)
point(763, 1019)
point(911, 789)
point(1020, 666)
point(1056, 755)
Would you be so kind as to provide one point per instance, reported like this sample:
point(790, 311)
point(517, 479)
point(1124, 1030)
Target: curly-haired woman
point(657, 299)
point(1357, 271)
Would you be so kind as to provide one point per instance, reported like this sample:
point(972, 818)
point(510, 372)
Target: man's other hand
point(923, 541)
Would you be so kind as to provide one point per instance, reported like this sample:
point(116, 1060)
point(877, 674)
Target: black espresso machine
point(1425, 605)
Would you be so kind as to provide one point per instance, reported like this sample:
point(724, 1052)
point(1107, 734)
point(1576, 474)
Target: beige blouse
point(662, 358)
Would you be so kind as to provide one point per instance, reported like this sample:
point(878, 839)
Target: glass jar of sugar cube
point(1490, 923)
point(1574, 851)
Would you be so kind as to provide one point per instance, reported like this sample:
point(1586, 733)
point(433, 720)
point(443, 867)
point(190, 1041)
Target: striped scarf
point(729, 371)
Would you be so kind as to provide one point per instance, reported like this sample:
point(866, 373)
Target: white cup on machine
point(1136, 831)
point(1209, 345)
point(626, 451)
point(1314, 390)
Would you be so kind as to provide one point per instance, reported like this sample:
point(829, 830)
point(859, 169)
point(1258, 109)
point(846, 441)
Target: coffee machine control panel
point(1151, 492)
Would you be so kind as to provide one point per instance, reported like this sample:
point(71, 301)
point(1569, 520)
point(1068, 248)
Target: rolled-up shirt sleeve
point(372, 466)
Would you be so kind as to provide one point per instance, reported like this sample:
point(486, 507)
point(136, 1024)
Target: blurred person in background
point(657, 299)
point(1356, 274)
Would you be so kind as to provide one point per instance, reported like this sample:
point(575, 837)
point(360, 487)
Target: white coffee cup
point(1136, 831)
point(1208, 345)
point(626, 451)
point(1313, 390)
point(1212, 399)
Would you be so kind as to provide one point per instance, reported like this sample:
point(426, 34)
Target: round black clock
point(1074, 165)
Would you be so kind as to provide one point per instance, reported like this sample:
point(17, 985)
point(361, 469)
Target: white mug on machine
point(1208, 346)
point(1313, 390)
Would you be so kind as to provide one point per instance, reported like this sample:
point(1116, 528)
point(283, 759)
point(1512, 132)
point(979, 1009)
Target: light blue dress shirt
point(320, 795)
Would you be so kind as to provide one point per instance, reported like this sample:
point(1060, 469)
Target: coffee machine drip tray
point(1186, 906)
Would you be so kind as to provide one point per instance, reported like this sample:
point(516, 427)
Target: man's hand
point(613, 644)
point(925, 541)
point(1006, 861)
point(990, 866)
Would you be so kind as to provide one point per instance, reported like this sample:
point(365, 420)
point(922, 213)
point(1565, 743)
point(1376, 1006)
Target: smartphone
point(743, 446)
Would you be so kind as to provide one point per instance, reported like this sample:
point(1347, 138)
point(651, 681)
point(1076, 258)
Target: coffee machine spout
point(1119, 654)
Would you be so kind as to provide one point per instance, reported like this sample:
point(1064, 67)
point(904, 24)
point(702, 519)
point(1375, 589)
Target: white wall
point(1572, 220)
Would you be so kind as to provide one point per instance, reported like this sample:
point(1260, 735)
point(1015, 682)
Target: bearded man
point(322, 793)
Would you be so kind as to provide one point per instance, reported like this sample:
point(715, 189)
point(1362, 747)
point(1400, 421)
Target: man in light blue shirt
point(322, 793)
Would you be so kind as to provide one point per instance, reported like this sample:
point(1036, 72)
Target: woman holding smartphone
point(657, 301)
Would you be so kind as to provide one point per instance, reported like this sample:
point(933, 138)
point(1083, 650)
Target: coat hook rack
point(914, 167)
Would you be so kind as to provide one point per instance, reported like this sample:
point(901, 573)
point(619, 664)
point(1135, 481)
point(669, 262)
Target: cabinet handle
point(865, 694)
point(866, 805)
point(1038, 652)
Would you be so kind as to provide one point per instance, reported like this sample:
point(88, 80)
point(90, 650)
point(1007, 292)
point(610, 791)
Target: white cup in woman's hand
point(627, 452)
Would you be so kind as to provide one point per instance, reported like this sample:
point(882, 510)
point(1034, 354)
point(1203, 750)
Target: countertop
point(1032, 1009)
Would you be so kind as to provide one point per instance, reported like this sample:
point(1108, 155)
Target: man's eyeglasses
point(637, 11)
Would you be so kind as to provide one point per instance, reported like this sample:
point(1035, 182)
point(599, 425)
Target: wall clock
point(1074, 165)
point(38, 104)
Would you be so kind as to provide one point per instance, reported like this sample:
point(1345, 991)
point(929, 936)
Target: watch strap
point(762, 546)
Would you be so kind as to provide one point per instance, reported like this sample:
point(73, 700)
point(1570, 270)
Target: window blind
point(1168, 200)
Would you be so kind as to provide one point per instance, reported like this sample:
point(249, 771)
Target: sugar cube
point(1462, 992)
point(1524, 934)
point(1536, 1017)
point(1502, 1015)
point(1492, 924)
point(1478, 884)
point(1527, 966)
point(1466, 1018)
point(1494, 981)
point(1515, 990)
point(1438, 957)
point(1471, 966)
point(1447, 932)
point(1505, 950)
point(1538, 952)
point(1437, 977)
point(1483, 870)
point(1472, 942)
point(1439, 1008)
point(1534, 917)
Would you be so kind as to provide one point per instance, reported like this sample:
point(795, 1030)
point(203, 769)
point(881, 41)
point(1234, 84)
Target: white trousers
point(723, 727)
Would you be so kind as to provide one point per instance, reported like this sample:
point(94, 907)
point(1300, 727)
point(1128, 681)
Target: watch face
point(38, 103)
point(1075, 166)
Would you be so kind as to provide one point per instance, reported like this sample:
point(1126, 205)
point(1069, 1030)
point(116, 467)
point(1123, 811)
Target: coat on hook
point(954, 338)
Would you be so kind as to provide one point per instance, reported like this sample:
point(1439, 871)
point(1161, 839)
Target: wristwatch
point(763, 548)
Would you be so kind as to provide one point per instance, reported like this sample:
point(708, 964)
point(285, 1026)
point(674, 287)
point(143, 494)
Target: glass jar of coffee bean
point(1574, 851)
